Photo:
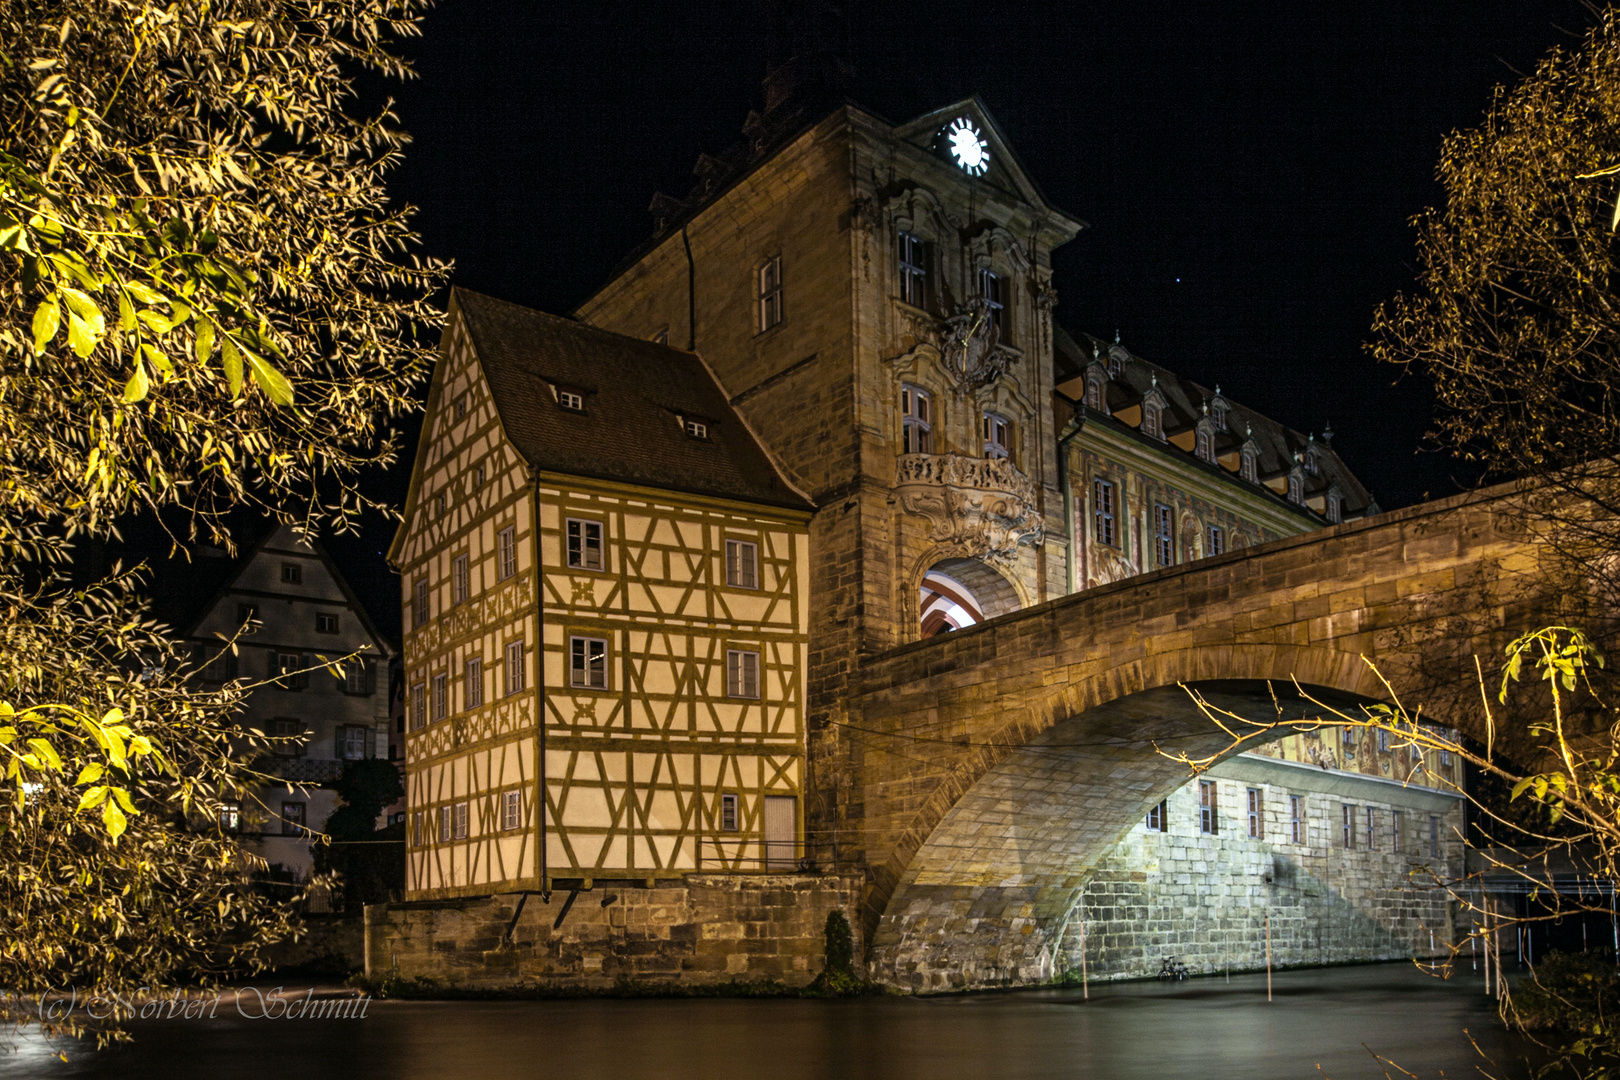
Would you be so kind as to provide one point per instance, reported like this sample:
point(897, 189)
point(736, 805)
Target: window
point(1248, 467)
point(1434, 837)
point(770, 294)
point(1397, 842)
point(1208, 812)
point(1350, 737)
point(1152, 420)
point(247, 616)
point(354, 742)
point(916, 421)
point(506, 551)
point(1164, 547)
point(1257, 825)
point(326, 622)
point(459, 579)
point(1349, 838)
point(584, 544)
point(1372, 829)
point(913, 270)
point(1157, 817)
point(1296, 818)
point(358, 676)
point(441, 696)
point(230, 816)
point(742, 564)
point(461, 406)
point(418, 837)
point(291, 573)
point(1204, 445)
point(514, 667)
point(1383, 739)
point(292, 819)
point(728, 813)
point(1094, 391)
point(1296, 486)
point(1214, 540)
point(438, 505)
point(511, 809)
point(289, 737)
point(446, 824)
point(461, 820)
point(587, 662)
point(1217, 410)
point(418, 706)
point(288, 670)
point(1335, 507)
point(1104, 512)
point(996, 440)
point(473, 692)
point(1445, 759)
point(419, 603)
point(695, 429)
point(742, 673)
point(571, 400)
point(993, 289)
point(478, 477)
point(220, 667)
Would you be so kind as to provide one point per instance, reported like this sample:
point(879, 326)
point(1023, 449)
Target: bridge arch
point(957, 593)
point(1005, 839)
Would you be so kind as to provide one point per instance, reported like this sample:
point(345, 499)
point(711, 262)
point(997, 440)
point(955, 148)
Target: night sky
point(1248, 169)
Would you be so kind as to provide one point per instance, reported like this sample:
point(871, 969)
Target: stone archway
point(957, 593)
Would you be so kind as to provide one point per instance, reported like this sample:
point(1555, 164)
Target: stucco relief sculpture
point(983, 507)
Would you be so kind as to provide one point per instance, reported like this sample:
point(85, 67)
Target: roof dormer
point(1153, 406)
point(1204, 435)
point(1218, 408)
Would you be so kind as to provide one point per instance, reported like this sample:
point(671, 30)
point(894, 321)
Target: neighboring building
point(299, 614)
point(606, 614)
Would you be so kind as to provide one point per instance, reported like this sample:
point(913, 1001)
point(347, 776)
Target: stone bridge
point(991, 768)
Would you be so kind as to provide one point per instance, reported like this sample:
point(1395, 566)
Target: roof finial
point(1206, 408)
point(1327, 433)
point(1116, 335)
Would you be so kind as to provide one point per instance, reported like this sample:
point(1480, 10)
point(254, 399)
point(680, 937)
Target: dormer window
point(572, 400)
point(1218, 406)
point(1249, 468)
point(1094, 390)
point(993, 288)
point(916, 421)
point(695, 429)
point(1313, 464)
point(997, 431)
point(1116, 360)
point(1296, 485)
point(1334, 508)
point(913, 252)
point(1204, 445)
point(1153, 411)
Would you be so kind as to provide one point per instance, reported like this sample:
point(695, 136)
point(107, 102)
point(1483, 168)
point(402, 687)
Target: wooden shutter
point(781, 832)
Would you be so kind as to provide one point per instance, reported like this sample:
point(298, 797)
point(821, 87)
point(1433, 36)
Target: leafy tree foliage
point(370, 860)
point(206, 303)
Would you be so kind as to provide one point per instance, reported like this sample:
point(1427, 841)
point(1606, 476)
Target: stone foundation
point(708, 929)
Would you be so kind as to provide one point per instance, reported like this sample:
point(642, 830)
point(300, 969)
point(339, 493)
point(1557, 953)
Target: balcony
point(982, 507)
point(307, 770)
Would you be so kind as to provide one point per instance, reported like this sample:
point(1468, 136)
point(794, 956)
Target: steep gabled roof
point(1184, 399)
point(637, 393)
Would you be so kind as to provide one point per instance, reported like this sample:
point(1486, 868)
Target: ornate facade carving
point(982, 507)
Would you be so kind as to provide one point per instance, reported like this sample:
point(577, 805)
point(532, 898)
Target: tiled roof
point(637, 394)
point(1184, 407)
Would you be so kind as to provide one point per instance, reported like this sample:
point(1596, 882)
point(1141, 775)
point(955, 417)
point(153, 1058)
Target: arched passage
point(958, 593)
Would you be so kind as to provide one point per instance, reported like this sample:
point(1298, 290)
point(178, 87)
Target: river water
point(1204, 1029)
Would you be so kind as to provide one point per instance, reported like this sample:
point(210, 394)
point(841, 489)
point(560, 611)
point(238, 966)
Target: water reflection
point(1205, 1028)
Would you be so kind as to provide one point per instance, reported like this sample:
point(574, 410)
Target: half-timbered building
point(604, 581)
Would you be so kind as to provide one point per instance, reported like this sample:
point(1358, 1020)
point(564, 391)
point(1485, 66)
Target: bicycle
point(1171, 968)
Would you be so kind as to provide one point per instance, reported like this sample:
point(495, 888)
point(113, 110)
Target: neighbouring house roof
point(637, 396)
point(1280, 448)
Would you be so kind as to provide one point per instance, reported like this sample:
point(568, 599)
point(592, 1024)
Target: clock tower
point(875, 300)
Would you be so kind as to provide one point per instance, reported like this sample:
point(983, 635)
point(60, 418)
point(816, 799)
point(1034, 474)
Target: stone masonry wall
point(712, 929)
point(1206, 898)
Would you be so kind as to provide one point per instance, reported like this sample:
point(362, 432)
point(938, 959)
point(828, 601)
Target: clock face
point(968, 148)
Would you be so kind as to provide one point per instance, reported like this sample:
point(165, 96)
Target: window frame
point(506, 553)
point(1209, 811)
point(768, 294)
point(1164, 535)
point(472, 682)
point(995, 424)
point(1105, 511)
point(446, 826)
point(293, 818)
point(1158, 817)
point(583, 547)
point(511, 809)
point(1256, 807)
point(292, 574)
point(515, 679)
point(735, 564)
point(570, 400)
point(911, 260)
point(1397, 827)
point(739, 675)
point(322, 617)
point(421, 602)
point(439, 697)
point(695, 428)
point(916, 419)
point(1372, 828)
point(460, 579)
point(730, 812)
point(1214, 540)
point(418, 705)
point(1296, 819)
point(354, 739)
point(990, 283)
point(580, 658)
point(459, 812)
point(1348, 826)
